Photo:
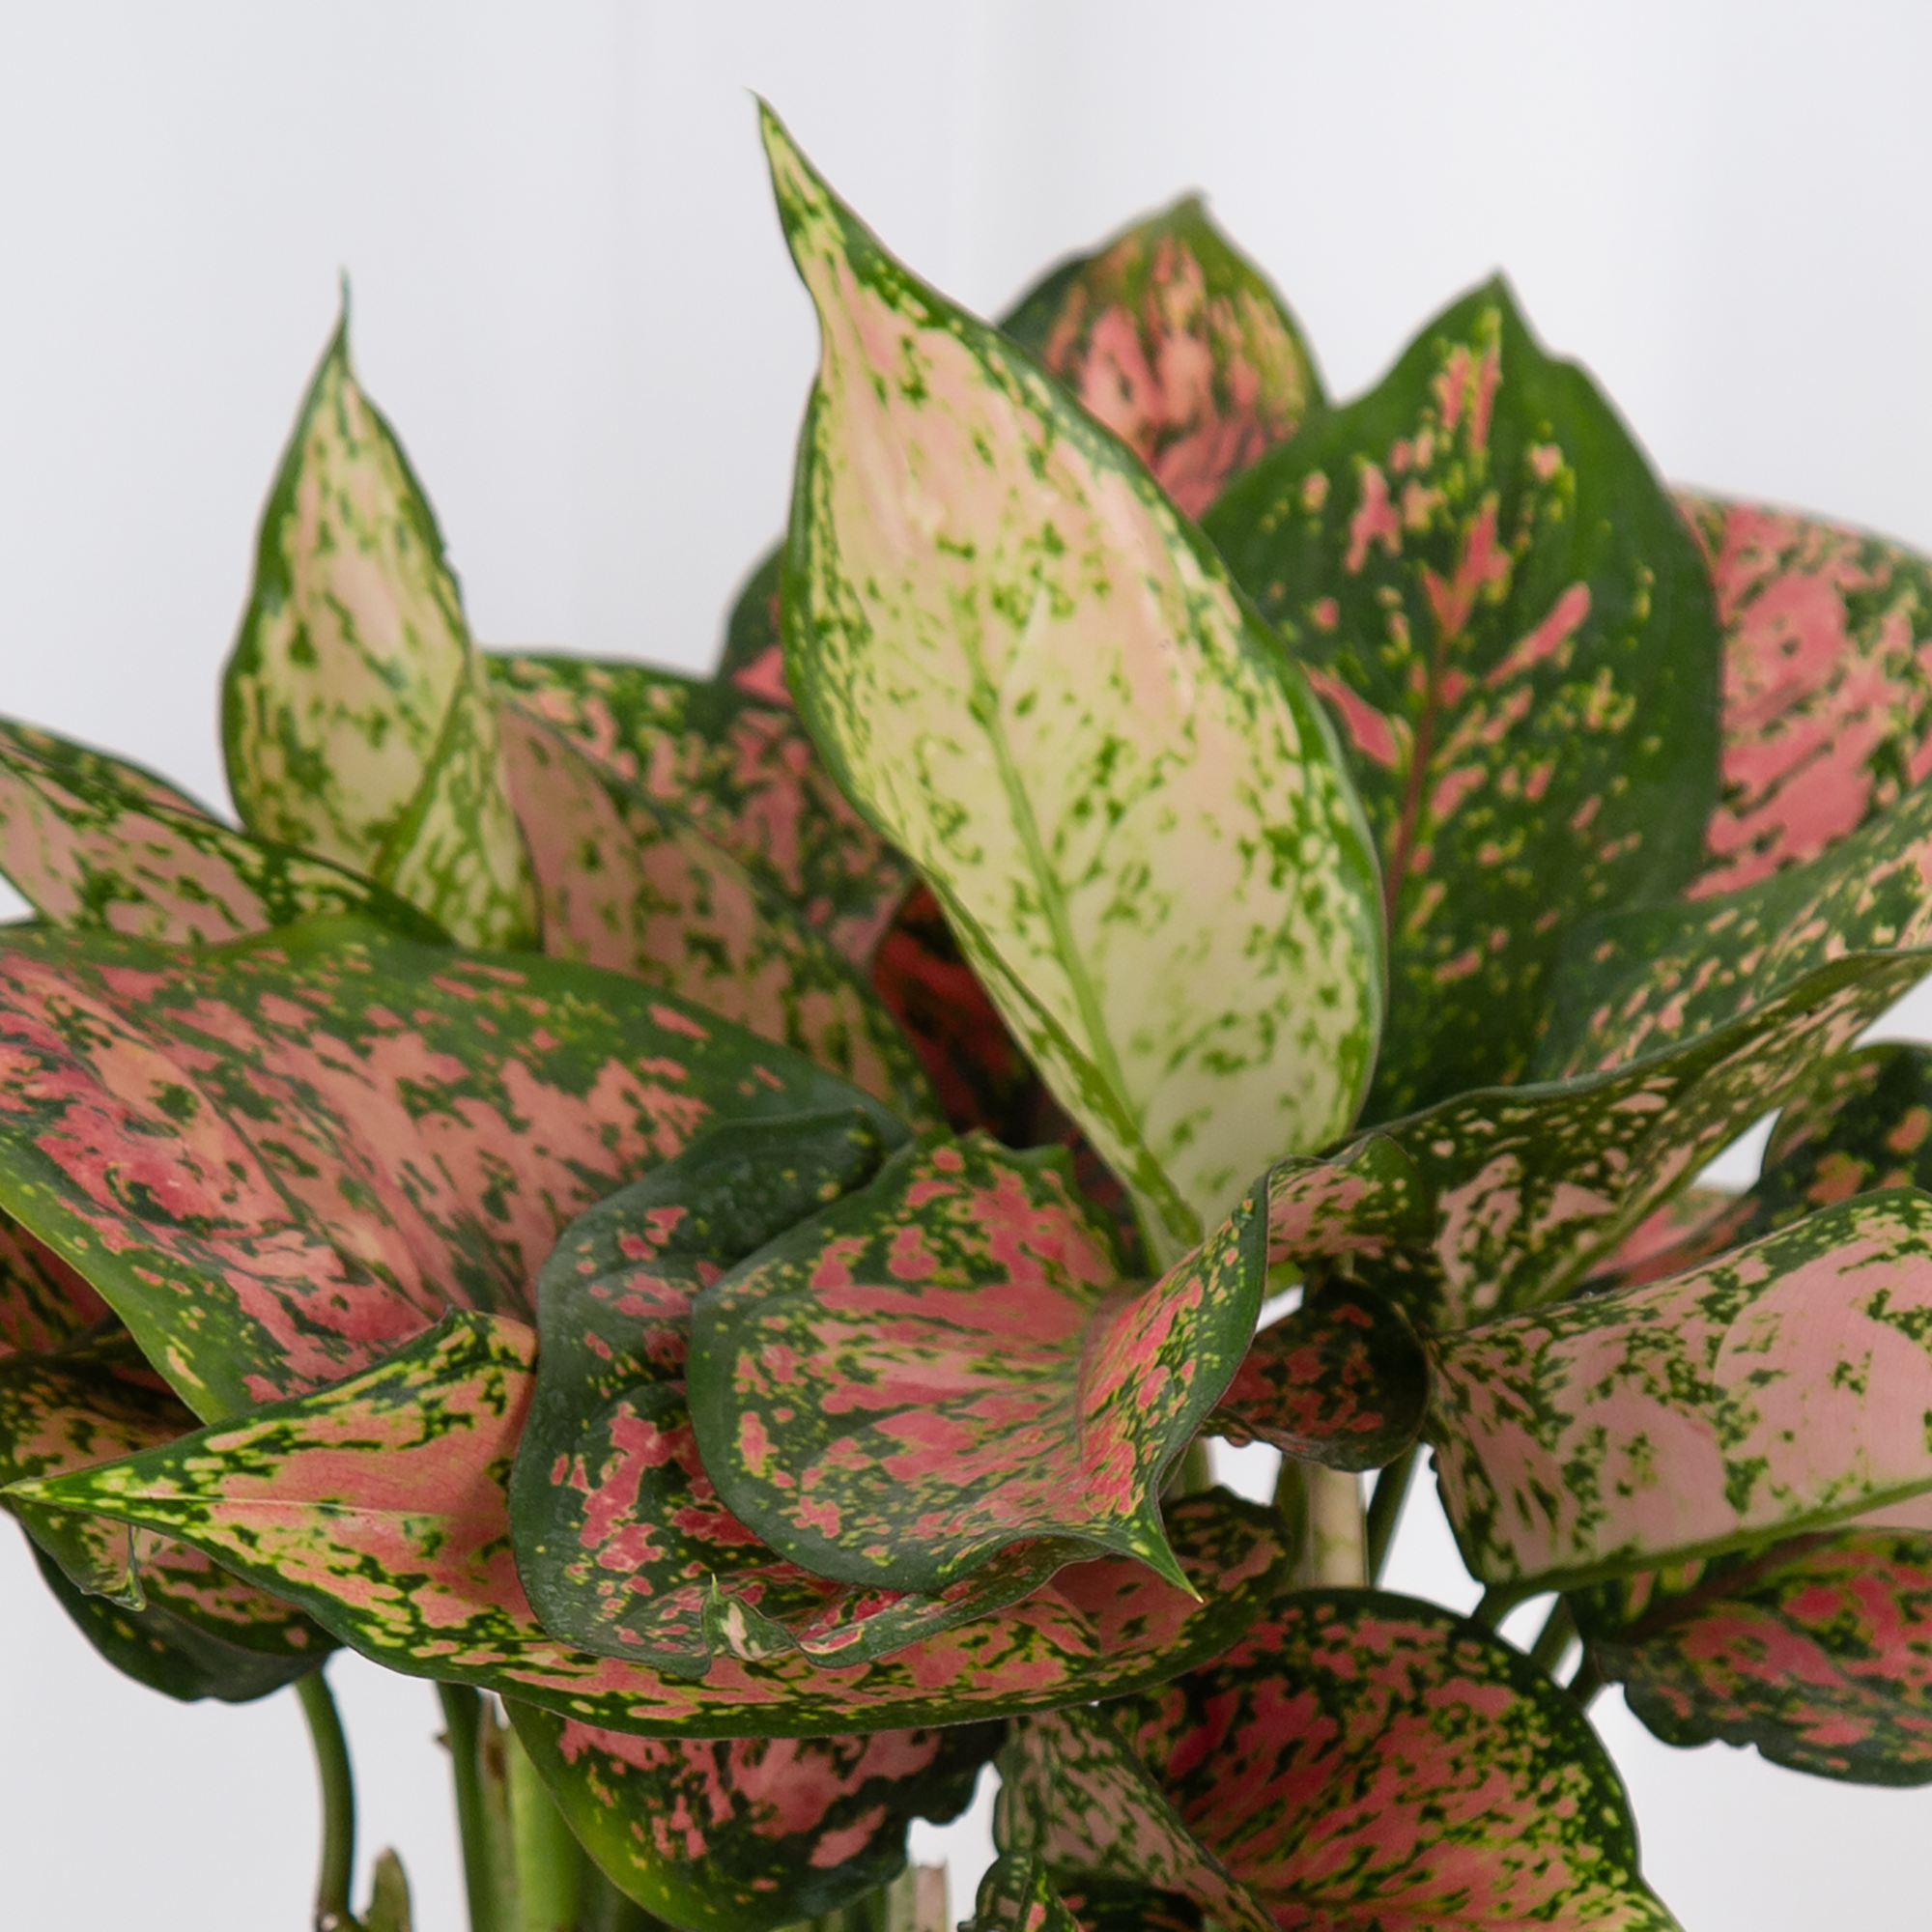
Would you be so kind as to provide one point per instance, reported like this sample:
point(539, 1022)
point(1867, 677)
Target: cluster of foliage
point(721, 1211)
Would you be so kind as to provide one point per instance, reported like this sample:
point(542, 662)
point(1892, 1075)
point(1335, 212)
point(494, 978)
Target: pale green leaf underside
point(1037, 679)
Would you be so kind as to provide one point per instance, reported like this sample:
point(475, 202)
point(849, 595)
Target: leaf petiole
point(338, 1804)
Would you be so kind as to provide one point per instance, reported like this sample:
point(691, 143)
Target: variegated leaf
point(1034, 675)
point(1341, 1382)
point(1636, 982)
point(1073, 1793)
point(950, 1363)
point(181, 1625)
point(457, 851)
point(626, 886)
point(1828, 684)
point(741, 772)
point(1489, 586)
point(1367, 1762)
point(1669, 1238)
point(1534, 1184)
point(1781, 1388)
point(1818, 1651)
point(752, 660)
point(353, 709)
point(1175, 340)
point(1858, 1123)
point(277, 1159)
point(380, 1505)
point(43, 1301)
point(91, 842)
point(744, 1834)
point(622, 1542)
point(1016, 1895)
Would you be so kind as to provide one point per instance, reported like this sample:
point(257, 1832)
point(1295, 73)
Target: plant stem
point(332, 1772)
point(1386, 1510)
point(1587, 1682)
point(1553, 1639)
point(463, 1720)
point(550, 1866)
point(1498, 1602)
point(1335, 1552)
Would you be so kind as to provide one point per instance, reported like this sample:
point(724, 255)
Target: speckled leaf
point(90, 842)
point(1858, 1123)
point(380, 1505)
point(1343, 1382)
point(1175, 340)
point(1817, 1650)
point(741, 1835)
point(1360, 1205)
point(1514, 629)
point(1074, 1794)
point(741, 772)
point(1781, 1388)
point(1633, 983)
point(44, 1302)
point(1016, 1895)
point(1367, 1762)
point(184, 1626)
point(626, 886)
point(752, 658)
point(353, 641)
point(622, 1542)
point(949, 1362)
point(276, 1159)
point(352, 710)
point(1828, 684)
point(457, 851)
point(1034, 675)
point(1534, 1184)
point(1651, 1249)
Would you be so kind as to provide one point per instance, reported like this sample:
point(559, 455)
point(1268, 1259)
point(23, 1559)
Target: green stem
point(606, 1909)
point(1336, 1553)
point(1386, 1510)
point(463, 1725)
point(325, 1737)
point(550, 1866)
point(1498, 1602)
point(1553, 1639)
point(1587, 1682)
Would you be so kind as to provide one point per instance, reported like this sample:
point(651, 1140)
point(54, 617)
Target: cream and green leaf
point(1038, 680)
point(356, 710)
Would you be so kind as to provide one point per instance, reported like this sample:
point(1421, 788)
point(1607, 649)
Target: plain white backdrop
point(571, 296)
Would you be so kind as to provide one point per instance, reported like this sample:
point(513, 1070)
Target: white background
point(572, 299)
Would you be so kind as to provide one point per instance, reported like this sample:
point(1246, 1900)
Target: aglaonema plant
point(714, 1218)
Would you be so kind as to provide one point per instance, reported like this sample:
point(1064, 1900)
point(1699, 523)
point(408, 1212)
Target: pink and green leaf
point(950, 1363)
point(1016, 1895)
point(745, 1834)
point(626, 885)
point(1367, 1762)
point(277, 1159)
point(355, 708)
point(1828, 685)
point(1817, 1651)
point(91, 842)
point(1341, 1382)
point(43, 1301)
point(752, 658)
point(621, 1540)
point(381, 1506)
point(1781, 1388)
point(1034, 675)
point(741, 772)
point(1858, 1123)
point(1481, 575)
point(1179, 344)
point(1074, 1795)
point(180, 1622)
point(1533, 1184)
